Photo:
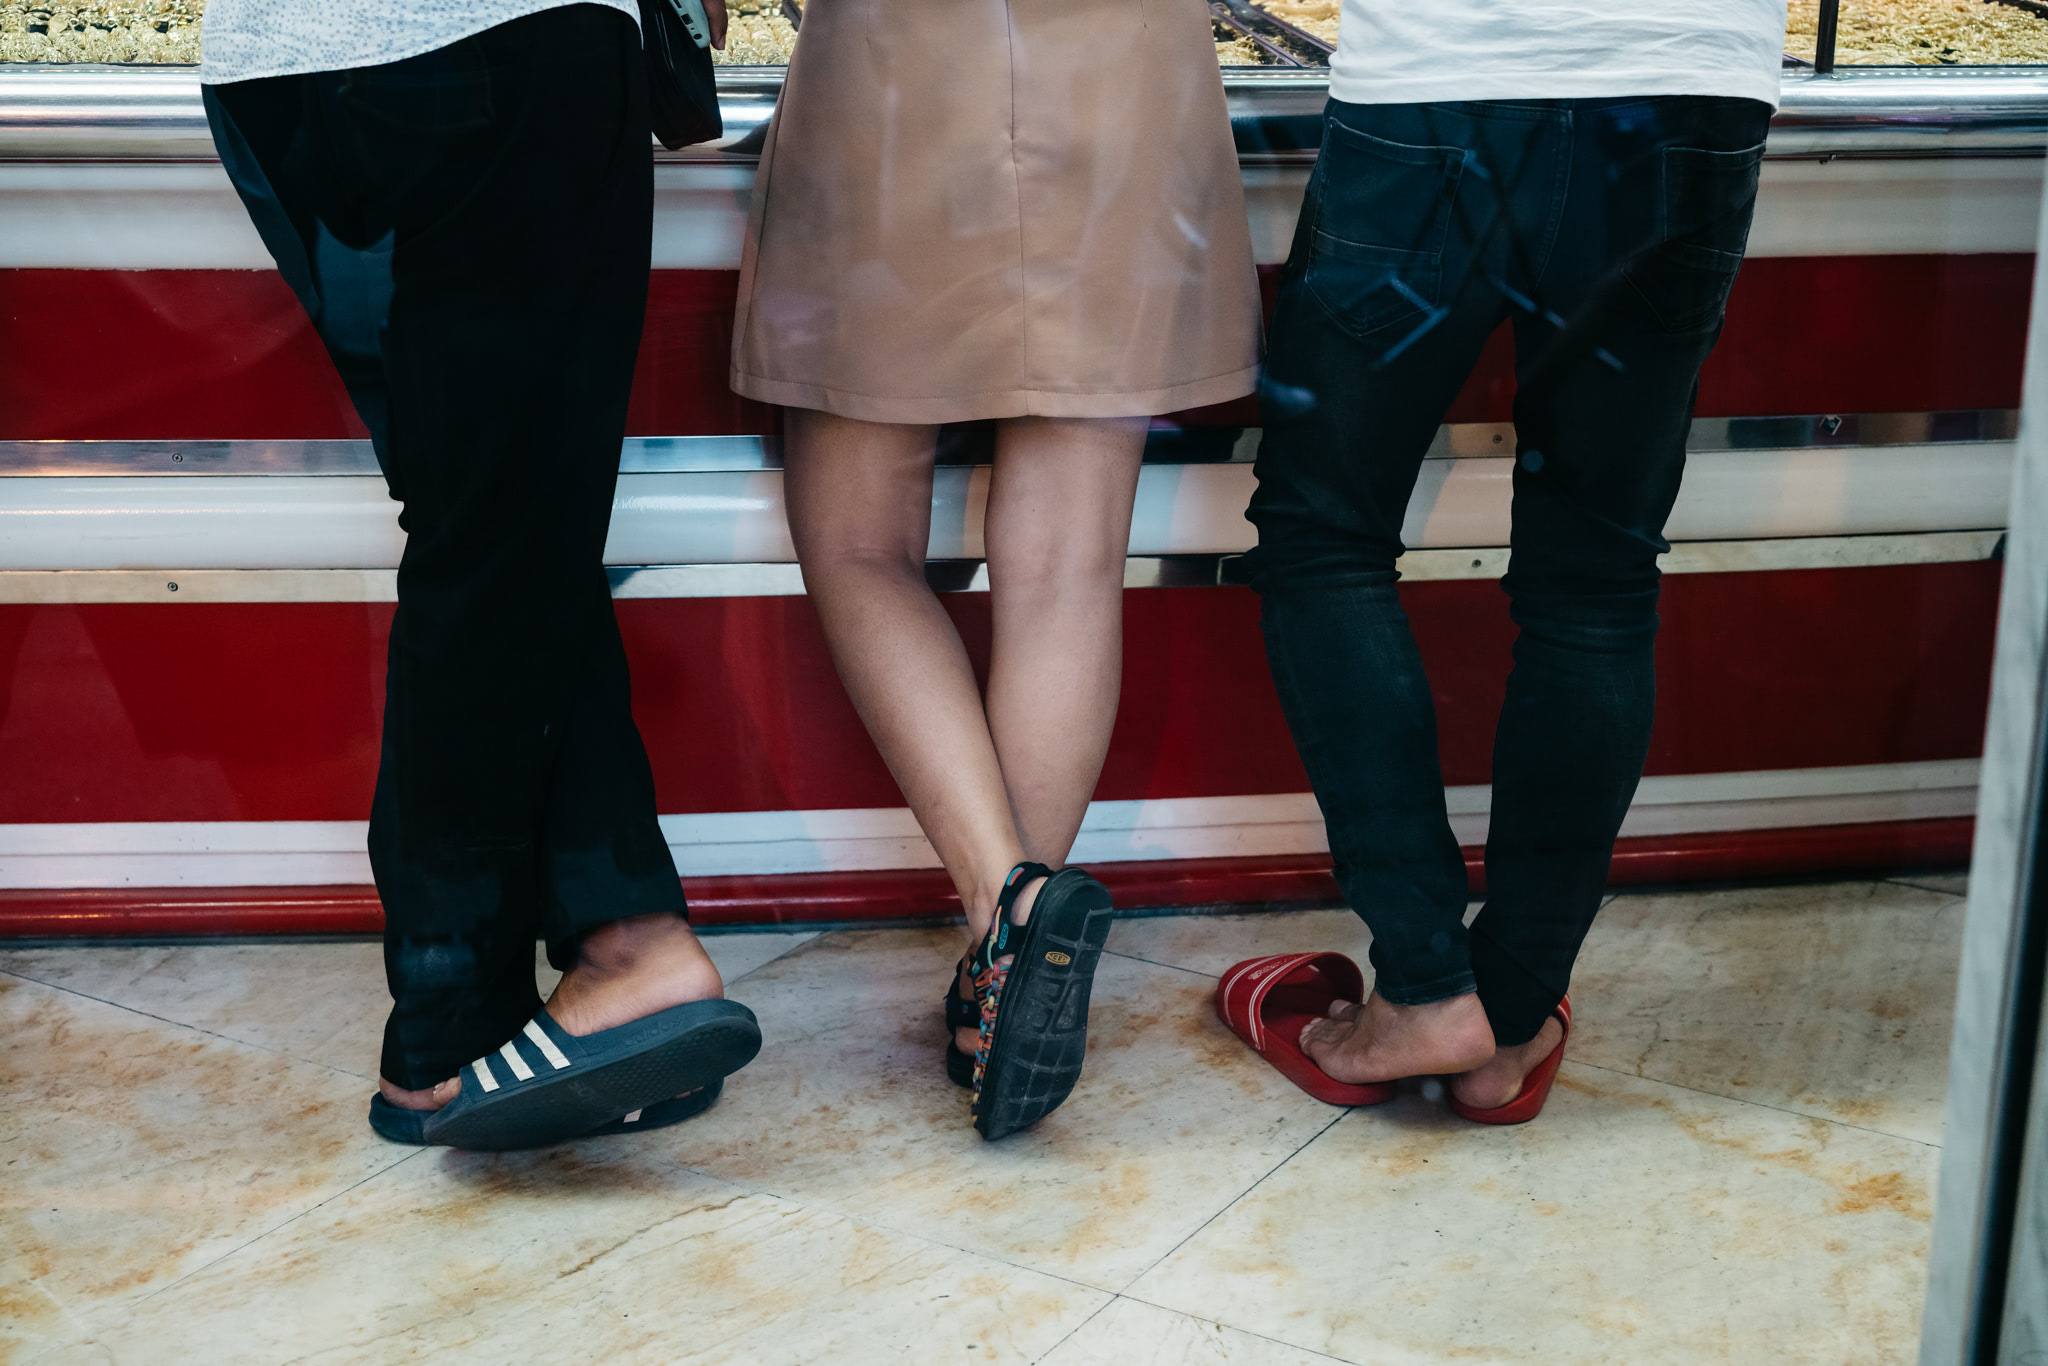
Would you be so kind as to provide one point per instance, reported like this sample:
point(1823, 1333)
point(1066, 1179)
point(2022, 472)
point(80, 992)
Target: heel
point(1034, 1013)
point(961, 1013)
point(1528, 1102)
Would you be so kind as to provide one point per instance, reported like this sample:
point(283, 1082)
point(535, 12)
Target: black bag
point(682, 95)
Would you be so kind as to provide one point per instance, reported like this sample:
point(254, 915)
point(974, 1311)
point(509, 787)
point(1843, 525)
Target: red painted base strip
point(823, 898)
point(149, 913)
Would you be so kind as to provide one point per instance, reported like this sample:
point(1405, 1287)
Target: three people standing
point(1031, 216)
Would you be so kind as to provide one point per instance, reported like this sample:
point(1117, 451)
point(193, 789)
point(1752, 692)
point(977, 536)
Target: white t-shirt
point(243, 39)
point(1419, 51)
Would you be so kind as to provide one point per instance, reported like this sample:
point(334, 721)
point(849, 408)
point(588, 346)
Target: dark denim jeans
point(469, 231)
point(1608, 233)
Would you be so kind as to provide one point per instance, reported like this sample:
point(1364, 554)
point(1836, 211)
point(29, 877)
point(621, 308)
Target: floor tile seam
point(869, 1222)
point(286, 1223)
point(1093, 1315)
point(1154, 962)
point(699, 1350)
point(741, 1192)
point(1239, 1328)
point(1235, 1200)
point(1759, 1104)
point(1923, 887)
point(806, 942)
point(183, 1024)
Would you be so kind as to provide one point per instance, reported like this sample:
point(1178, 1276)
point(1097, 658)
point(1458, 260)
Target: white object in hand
point(695, 22)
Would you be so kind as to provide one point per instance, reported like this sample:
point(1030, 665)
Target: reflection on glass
point(1270, 34)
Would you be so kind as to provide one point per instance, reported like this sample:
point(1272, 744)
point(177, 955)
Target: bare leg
point(1056, 532)
point(1058, 527)
point(859, 500)
point(989, 783)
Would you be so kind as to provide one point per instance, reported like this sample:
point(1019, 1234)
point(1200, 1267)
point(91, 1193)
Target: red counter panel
point(198, 354)
point(224, 712)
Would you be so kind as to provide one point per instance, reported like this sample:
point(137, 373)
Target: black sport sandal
point(1034, 1013)
point(546, 1084)
point(410, 1126)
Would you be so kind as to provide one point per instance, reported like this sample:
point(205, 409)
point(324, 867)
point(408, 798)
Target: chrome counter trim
point(184, 587)
point(1913, 111)
point(74, 113)
point(1190, 446)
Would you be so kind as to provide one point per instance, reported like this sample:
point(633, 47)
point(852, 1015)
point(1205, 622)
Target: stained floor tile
point(600, 1251)
point(1831, 999)
point(134, 1152)
point(848, 1108)
point(1633, 1221)
point(324, 1003)
point(167, 1193)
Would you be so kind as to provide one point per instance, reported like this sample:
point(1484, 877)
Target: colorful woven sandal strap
point(996, 942)
point(962, 1012)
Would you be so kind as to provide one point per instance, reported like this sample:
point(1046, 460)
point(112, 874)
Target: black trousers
point(469, 231)
point(1608, 233)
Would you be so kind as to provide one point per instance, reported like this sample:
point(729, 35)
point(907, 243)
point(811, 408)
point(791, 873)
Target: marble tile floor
point(1737, 1166)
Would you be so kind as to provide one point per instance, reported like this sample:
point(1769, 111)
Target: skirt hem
point(1000, 403)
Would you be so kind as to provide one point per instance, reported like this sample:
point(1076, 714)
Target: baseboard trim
point(1268, 882)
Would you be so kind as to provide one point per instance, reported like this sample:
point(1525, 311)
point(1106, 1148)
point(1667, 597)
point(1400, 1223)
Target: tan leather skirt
point(997, 208)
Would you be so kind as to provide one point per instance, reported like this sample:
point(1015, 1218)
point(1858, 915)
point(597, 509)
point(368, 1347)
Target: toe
point(432, 1098)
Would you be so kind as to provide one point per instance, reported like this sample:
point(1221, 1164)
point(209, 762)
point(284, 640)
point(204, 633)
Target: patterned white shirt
point(243, 39)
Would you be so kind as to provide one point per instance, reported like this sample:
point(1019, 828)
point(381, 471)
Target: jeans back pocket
point(1706, 200)
point(1382, 216)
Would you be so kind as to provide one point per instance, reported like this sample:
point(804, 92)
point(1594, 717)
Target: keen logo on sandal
point(1058, 959)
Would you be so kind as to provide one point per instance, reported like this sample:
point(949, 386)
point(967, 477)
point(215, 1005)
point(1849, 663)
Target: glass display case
point(1249, 33)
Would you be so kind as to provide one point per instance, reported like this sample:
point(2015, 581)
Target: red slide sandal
point(1267, 1002)
point(1528, 1102)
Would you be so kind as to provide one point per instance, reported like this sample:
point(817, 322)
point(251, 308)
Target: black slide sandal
point(961, 1013)
point(410, 1126)
point(1034, 1020)
point(546, 1085)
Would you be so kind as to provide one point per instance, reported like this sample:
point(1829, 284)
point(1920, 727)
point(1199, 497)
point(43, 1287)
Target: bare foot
point(624, 971)
point(1380, 1041)
point(1496, 1083)
point(967, 1040)
point(630, 969)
